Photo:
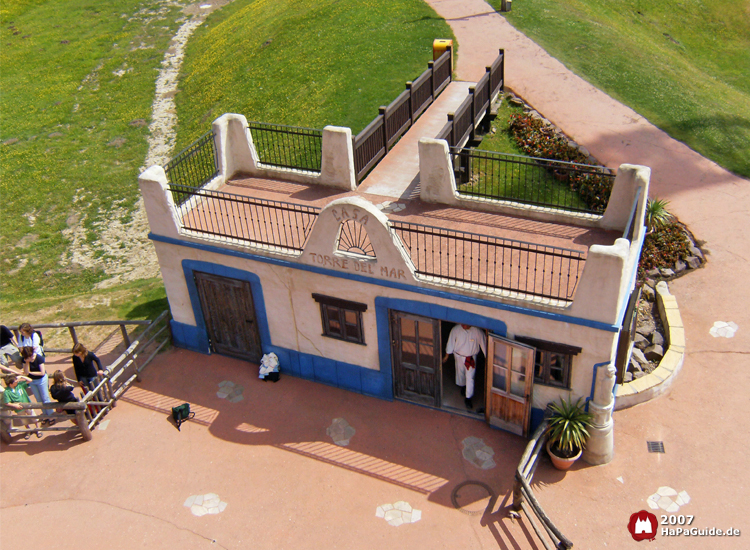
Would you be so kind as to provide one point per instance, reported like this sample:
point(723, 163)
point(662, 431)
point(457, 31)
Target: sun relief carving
point(353, 239)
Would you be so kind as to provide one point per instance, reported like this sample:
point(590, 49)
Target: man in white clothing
point(464, 343)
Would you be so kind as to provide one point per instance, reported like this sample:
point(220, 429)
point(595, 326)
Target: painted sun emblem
point(353, 238)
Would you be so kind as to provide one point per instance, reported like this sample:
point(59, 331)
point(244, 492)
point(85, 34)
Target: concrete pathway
point(702, 420)
point(397, 175)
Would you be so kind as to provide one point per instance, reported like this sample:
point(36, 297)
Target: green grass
point(304, 62)
point(70, 156)
point(512, 181)
point(68, 151)
point(501, 140)
point(682, 64)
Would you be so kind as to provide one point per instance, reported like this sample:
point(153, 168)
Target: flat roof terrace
point(485, 252)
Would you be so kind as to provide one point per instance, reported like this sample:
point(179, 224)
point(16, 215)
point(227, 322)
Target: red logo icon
point(643, 526)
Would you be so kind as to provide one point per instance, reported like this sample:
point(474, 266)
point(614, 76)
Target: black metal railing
point(258, 221)
point(528, 180)
point(492, 262)
point(195, 165)
point(524, 500)
point(287, 146)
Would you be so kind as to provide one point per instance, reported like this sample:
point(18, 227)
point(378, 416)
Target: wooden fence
point(117, 378)
point(77, 324)
point(372, 143)
point(463, 122)
point(524, 500)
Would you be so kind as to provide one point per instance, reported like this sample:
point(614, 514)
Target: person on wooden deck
point(9, 348)
point(33, 367)
point(28, 337)
point(62, 392)
point(464, 342)
point(13, 396)
point(83, 364)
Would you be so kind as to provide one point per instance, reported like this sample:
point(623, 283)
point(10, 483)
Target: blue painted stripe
point(391, 284)
point(631, 286)
point(334, 373)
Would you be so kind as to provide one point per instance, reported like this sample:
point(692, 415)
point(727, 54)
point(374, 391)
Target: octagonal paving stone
point(201, 505)
point(668, 499)
point(340, 431)
point(478, 453)
point(231, 391)
point(398, 513)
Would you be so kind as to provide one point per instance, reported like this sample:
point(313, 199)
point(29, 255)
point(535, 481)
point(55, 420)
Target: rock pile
point(650, 342)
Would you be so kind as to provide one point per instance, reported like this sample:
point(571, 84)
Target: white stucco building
point(360, 290)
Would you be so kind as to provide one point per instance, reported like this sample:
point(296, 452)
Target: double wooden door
point(229, 312)
point(510, 375)
point(416, 358)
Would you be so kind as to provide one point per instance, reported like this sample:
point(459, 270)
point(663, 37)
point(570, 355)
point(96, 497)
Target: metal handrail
point(196, 164)
point(493, 262)
point(293, 147)
point(258, 221)
point(523, 494)
point(528, 180)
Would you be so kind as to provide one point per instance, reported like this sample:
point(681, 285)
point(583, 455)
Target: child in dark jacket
point(62, 392)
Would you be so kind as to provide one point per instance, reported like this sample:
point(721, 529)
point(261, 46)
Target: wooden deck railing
point(524, 500)
point(71, 326)
point(117, 378)
point(372, 143)
point(462, 123)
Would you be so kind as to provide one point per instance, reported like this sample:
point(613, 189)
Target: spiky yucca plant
point(567, 427)
point(657, 215)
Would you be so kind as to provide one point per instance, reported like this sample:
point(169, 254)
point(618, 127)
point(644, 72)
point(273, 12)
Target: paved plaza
point(298, 464)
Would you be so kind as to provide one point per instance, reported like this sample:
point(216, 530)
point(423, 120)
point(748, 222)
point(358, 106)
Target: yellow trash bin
point(439, 46)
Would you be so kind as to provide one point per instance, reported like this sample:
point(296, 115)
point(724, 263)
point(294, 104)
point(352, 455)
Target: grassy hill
point(78, 81)
point(304, 62)
point(682, 64)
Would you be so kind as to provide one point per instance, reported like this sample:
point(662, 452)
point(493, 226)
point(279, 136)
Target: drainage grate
point(655, 446)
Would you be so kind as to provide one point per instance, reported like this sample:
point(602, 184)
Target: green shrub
point(537, 139)
point(662, 248)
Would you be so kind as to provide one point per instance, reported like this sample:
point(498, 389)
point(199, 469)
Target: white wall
point(295, 323)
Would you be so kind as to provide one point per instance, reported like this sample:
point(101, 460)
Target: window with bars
point(552, 362)
point(341, 319)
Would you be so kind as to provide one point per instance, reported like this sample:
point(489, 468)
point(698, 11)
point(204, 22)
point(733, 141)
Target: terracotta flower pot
point(561, 463)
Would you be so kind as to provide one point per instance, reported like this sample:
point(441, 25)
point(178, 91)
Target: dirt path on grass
point(123, 235)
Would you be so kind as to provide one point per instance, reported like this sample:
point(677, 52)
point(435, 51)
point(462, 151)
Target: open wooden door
point(510, 374)
point(416, 358)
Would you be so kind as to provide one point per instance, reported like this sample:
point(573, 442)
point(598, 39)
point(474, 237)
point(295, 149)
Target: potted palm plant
point(567, 432)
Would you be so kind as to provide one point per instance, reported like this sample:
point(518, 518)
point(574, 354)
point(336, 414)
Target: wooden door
point(228, 310)
point(510, 374)
point(416, 358)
